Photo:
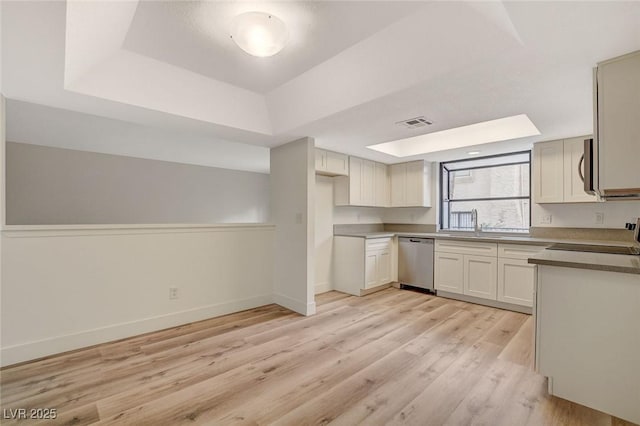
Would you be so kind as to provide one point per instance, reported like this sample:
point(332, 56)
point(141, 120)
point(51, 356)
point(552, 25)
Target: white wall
point(66, 289)
point(323, 234)
point(292, 186)
point(60, 186)
point(582, 215)
point(349, 215)
point(3, 163)
point(60, 128)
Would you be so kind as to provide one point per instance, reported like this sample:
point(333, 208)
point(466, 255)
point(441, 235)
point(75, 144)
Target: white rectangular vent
point(414, 123)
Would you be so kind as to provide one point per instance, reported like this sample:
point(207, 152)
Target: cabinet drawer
point(466, 247)
point(378, 244)
point(518, 251)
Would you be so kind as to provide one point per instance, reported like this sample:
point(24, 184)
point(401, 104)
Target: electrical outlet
point(599, 218)
point(546, 219)
point(173, 292)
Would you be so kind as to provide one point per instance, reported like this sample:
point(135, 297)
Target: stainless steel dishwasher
point(415, 262)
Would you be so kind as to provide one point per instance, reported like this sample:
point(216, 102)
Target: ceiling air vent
point(414, 123)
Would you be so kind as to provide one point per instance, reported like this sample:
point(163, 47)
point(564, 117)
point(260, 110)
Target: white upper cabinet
point(367, 184)
point(574, 172)
point(617, 129)
point(558, 171)
point(548, 172)
point(331, 163)
point(372, 184)
point(398, 175)
point(382, 185)
point(410, 184)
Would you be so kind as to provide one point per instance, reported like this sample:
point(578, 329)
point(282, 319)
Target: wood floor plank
point(444, 347)
point(184, 377)
point(313, 384)
point(443, 395)
point(520, 349)
point(484, 403)
point(326, 407)
point(391, 357)
point(506, 328)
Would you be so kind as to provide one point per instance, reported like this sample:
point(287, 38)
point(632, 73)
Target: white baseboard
point(323, 287)
point(37, 349)
point(298, 306)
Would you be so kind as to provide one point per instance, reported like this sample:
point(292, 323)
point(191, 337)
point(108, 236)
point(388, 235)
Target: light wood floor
point(394, 357)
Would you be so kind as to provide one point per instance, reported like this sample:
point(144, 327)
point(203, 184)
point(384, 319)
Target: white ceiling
point(195, 36)
point(351, 70)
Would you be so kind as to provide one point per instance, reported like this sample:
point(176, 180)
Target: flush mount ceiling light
point(258, 33)
point(473, 152)
point(502, 129)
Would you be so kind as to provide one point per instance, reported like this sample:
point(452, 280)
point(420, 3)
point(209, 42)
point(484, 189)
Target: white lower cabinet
point(362, 264)
point(587, 339)
point(497, 272)
point(466, 268)
point(448, 272)
point(371, 260)
point(480, 276)
point(516, 279)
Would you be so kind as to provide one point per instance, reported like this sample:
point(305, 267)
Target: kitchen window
point(497, 187)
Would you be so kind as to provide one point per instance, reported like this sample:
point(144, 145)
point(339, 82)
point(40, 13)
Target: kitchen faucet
point(474, 217)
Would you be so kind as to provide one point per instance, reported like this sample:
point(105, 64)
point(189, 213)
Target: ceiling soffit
point(403, 54)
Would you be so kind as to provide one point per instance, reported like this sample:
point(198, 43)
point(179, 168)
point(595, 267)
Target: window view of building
point(498, 188)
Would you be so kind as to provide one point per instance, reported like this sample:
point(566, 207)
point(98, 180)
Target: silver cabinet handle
point(580, 164)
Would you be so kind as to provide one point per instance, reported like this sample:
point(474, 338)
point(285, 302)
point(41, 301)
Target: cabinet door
point(355, 181)
point(321, 156)
point(384, 267)
point(618, 122)
point(335, 163)
point(415, 184)
point(548, 172)
point(381, 198)
point(480, 276)
point(368, 182)
point(573, 184)
point(448, 272)
point(371, 269)
point(515, 281)
point(398, 178)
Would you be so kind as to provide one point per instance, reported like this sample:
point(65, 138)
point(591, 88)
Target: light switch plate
point(546, 219)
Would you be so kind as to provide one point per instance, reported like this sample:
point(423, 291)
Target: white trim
point(55, 345)
point(487, 302)
point(323, 287)
point(28, 231)
point(298, 306)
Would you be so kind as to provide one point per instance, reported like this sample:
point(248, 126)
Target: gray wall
point(60, 186)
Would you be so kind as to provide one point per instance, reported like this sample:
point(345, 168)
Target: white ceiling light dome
point(259, 34)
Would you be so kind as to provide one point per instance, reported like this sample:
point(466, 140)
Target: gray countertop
point(511, 239)
point(570, 259)
point(366, 234)
point(597, 261)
